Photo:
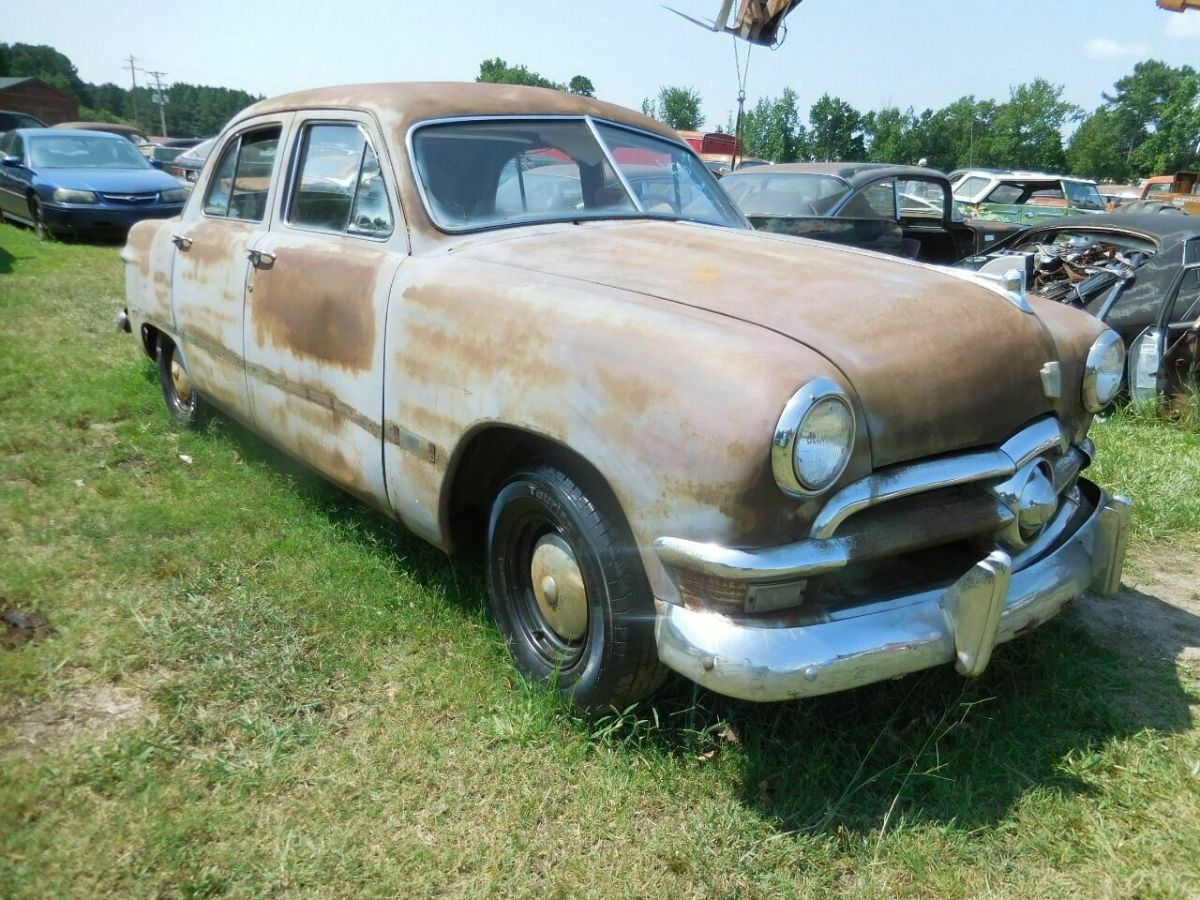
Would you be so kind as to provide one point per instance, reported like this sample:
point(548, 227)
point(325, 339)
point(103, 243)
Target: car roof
point(71, 132)
point(1168, 229)
point(855, 173)
point(403, 104)
point(1020, 175)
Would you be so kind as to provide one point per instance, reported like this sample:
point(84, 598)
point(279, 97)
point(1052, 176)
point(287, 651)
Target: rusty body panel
point(659, 353)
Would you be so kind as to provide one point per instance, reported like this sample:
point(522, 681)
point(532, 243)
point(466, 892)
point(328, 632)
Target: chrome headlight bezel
point(1101, 386)
point(783, 446)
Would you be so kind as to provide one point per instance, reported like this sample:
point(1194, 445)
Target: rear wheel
point(187, 408)
point(569, 593)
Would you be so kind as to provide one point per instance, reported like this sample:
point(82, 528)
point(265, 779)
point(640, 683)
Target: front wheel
point(568, 591)
point(38, 216)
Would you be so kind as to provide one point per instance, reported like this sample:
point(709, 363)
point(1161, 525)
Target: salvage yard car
point(778, 467)
point(902, 210)
point(1139, 274)
point(1004, 202)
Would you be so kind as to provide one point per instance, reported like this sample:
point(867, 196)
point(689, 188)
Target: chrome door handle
point(260, 259)
point(183, 243)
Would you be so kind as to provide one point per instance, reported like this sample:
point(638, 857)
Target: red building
point(36, 98)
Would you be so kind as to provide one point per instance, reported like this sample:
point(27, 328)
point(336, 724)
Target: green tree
point(836, 132)
point(1027, 132)
point(957, 135)
point(44, 62)
point(1095, 149)
point(678, 107)
point(497, 71)
point(1155, 115)
point(892, 136)
point(772, 129)
point(582, 85)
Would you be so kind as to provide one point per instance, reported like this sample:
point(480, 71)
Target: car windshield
point(1084, 196)
point(71, 151)
point(785, 193)
point(497, 172)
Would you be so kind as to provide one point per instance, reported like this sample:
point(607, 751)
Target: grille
point(135, 199)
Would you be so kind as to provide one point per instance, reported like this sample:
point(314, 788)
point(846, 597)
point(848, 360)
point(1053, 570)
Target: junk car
point(901, 210)
point(1005, 202)
point(1139, 274)
point(778, 467)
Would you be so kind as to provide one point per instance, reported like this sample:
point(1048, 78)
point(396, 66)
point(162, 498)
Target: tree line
point(1149, 124)
point(192, 110)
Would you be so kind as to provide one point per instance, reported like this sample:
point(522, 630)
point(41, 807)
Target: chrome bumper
point(990, 604)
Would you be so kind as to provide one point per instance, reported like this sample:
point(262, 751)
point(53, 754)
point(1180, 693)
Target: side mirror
point(12, 161)
point(1144, 362)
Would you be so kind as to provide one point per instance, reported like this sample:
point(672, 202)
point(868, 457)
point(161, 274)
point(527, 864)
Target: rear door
point(229, 212)
point(317, 303)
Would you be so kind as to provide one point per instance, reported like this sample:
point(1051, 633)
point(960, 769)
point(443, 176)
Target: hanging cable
point(742, 75)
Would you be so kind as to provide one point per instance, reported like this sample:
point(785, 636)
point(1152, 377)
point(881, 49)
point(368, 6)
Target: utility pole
point(133, 78)
point(161, 99)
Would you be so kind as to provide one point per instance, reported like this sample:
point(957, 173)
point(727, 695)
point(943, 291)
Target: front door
point(208, 282)
point(316, 305)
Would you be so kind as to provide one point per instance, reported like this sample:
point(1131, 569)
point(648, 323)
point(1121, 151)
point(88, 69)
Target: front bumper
point(991, 603)
point(98, 218)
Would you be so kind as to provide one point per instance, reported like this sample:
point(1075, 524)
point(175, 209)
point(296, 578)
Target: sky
point(871, 53)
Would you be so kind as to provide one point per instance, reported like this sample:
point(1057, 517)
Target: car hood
point(938, 361)
point(109, 180)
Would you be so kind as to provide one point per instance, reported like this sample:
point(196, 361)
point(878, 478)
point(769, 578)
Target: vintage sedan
point(778, 467)
point(1138, 273)
point(902, 210)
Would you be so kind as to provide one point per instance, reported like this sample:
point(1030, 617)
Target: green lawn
point(259, 687)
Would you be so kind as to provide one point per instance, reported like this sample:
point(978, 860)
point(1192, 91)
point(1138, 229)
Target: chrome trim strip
point(1041, 437)
point(612, 161)
point(765, 664)
point(788, 562)
point(905, 481)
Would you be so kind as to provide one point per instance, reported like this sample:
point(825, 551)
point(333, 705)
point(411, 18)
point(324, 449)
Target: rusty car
point(778, 467)
point(1138, 273)
point(902, 210)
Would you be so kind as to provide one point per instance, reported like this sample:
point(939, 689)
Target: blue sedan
point(81, 182)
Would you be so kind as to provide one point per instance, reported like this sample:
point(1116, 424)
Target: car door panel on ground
point(316, 306)
point(211, 267)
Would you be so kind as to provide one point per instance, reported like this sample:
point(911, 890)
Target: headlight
point(813, 439)
point(68, 195)
point(176, 195)
point(1103, 371)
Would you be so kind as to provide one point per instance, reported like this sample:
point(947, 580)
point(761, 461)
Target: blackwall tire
point(545, 537)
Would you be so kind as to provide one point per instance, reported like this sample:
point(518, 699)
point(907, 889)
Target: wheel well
point(489, 457)
point(150, 340)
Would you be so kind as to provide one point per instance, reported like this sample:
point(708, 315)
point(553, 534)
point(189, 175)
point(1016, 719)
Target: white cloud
point(1107, 48)
point(1182, 26)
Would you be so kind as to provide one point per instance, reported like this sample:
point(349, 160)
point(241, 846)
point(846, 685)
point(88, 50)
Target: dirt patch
point(1157, 611)
point(89, 712)
point(21, 627)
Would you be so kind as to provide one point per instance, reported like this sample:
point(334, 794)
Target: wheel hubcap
point(558, 587)
point(182, 383)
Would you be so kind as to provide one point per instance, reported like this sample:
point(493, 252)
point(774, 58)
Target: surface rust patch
point(318, 305)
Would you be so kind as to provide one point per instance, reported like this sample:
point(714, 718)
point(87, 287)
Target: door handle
point(183, 243)
point(260, 259)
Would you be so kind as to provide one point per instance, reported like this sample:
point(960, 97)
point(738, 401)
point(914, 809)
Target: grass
point(321, 706)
